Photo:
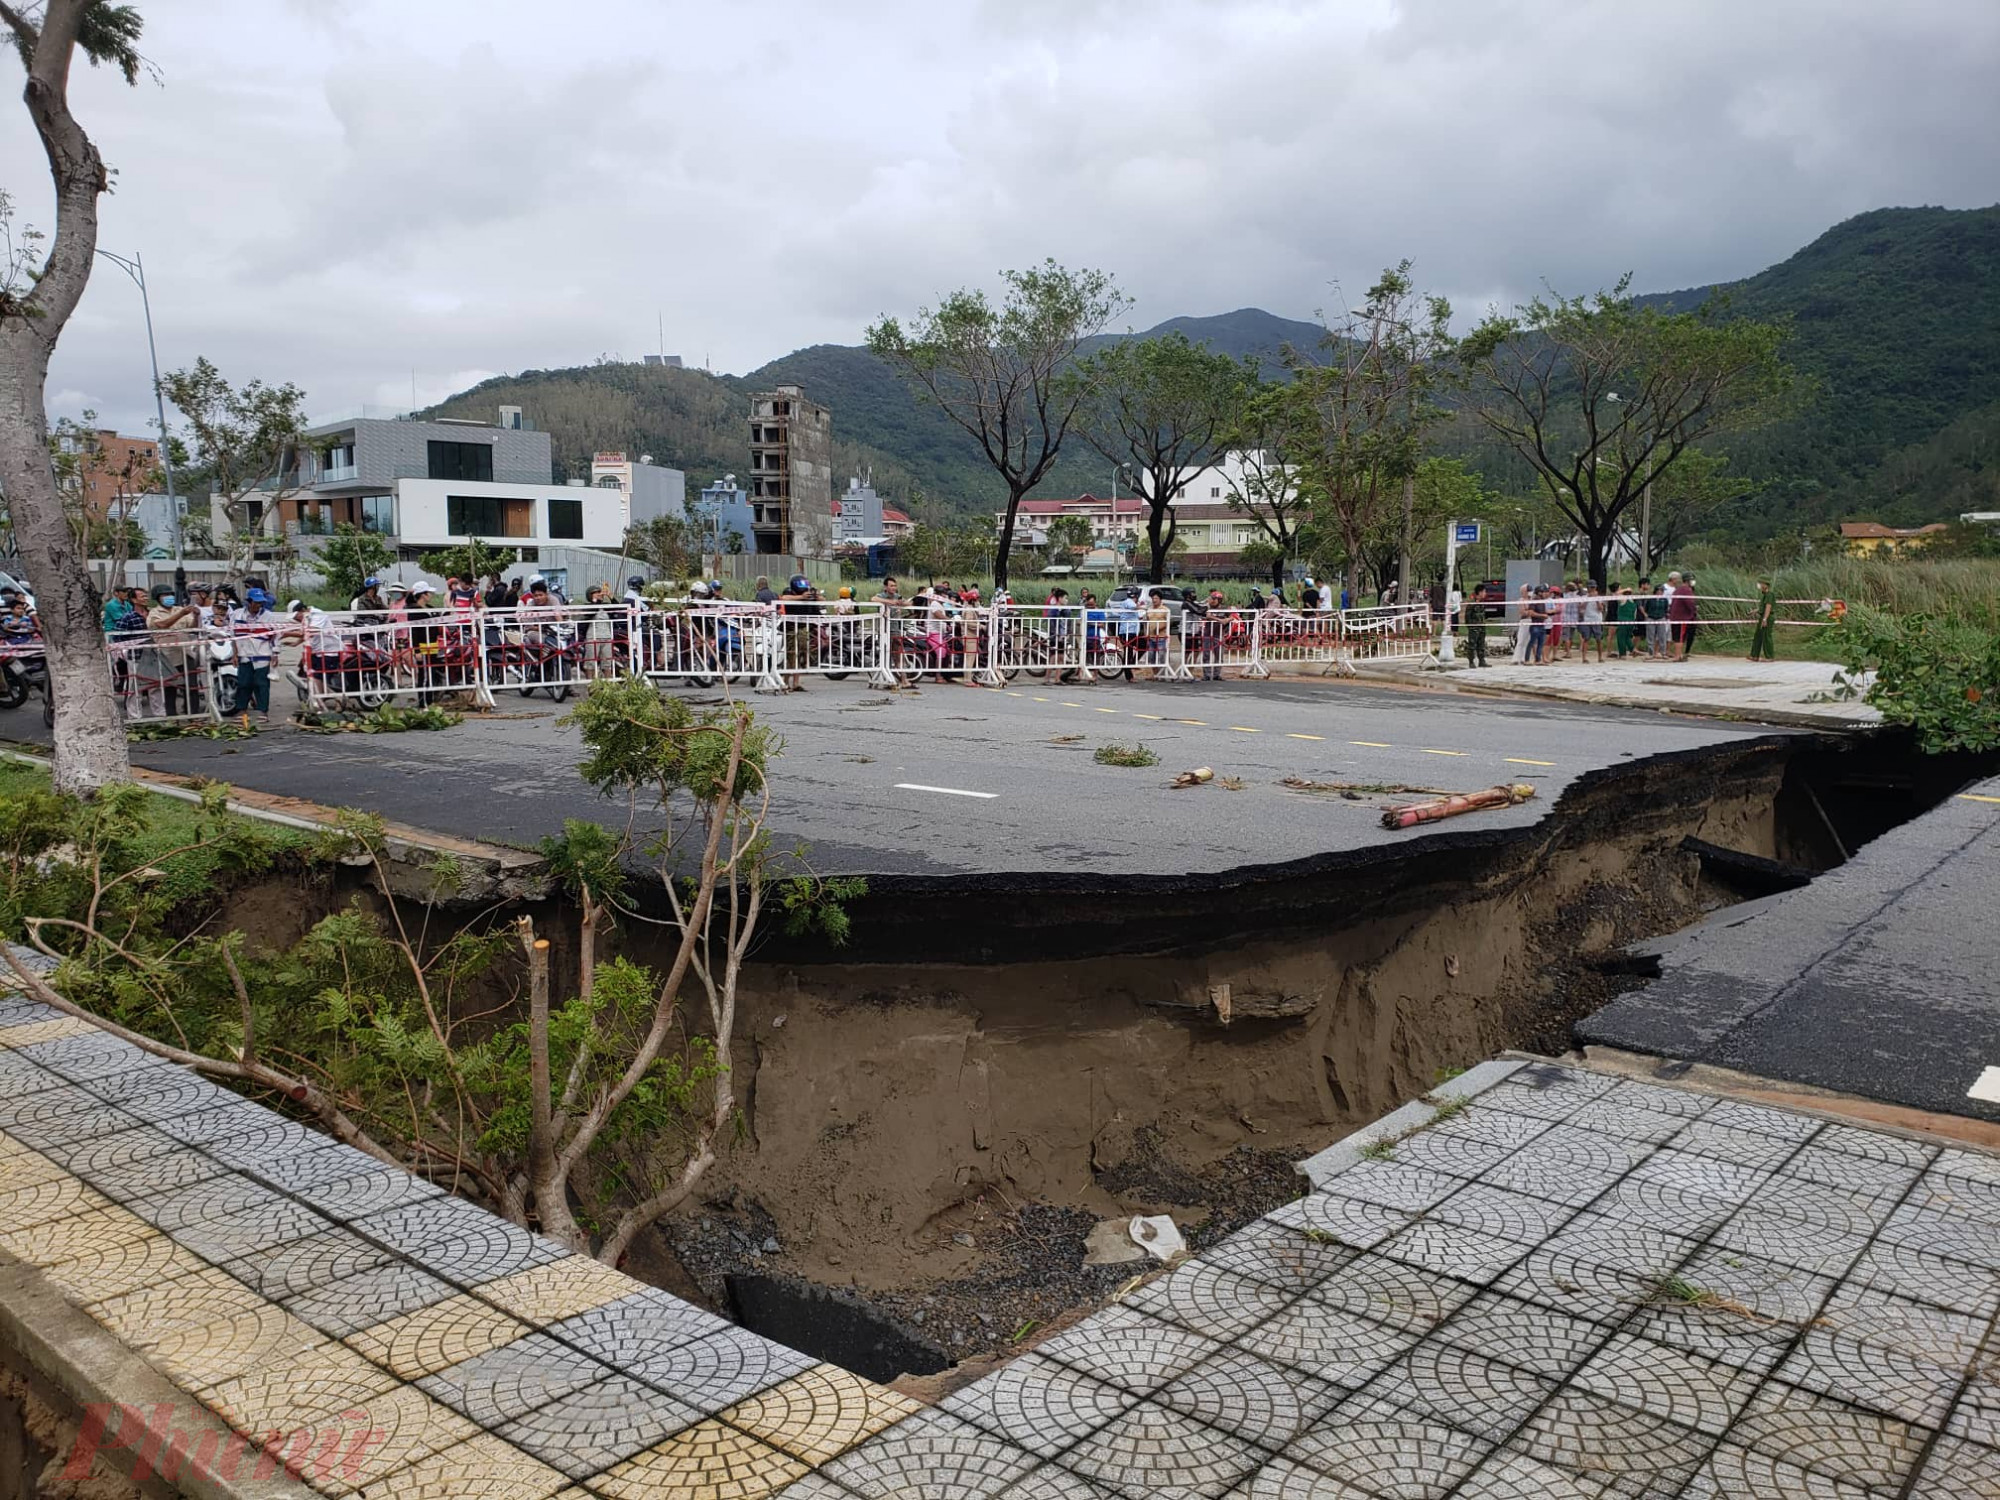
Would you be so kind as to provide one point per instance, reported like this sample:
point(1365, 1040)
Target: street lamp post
point(136, 269)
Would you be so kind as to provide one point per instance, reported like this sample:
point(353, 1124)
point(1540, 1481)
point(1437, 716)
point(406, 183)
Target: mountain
point(1895, 316)
point(698, 422)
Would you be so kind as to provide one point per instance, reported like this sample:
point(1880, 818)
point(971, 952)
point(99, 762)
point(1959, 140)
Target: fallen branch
point(1409, 815)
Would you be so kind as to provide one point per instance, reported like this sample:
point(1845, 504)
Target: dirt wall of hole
point(881, 1099)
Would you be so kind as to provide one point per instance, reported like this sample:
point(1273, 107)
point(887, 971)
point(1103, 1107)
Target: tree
point(926, 551)
point(1002, 373)
point(1360, 411)
point(1069, 541)
point(78, 458)
point(37, 296)
point(1596, 393)
point(473, 561)
point(1685, 499)
point(671, 544)
point(593, 1111)
point(1166, 406)
point(1263, 557)
point(351, 556)
point(246, 439)
point(1442, 490)
point(1270, 423)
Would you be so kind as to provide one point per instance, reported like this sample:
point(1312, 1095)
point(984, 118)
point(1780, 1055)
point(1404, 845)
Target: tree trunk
point(1156, 519)
point(1278, 571)
point(90, 749)
point(1004, 543)
point(1404, 561)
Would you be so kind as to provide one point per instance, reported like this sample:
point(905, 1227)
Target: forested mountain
point(1895, 316)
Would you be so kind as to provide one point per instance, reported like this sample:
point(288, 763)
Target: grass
point(192, 873)
point(1384, 1150)
point(1125, 755)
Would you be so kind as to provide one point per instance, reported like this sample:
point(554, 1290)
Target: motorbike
point(24, 670)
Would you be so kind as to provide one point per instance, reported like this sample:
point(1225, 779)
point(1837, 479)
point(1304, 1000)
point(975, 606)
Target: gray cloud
point(352, 195)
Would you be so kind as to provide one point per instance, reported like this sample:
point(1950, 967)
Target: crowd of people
point(1555, 622)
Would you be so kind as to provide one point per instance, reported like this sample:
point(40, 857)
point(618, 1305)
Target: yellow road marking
point(1154, 717)
point(1371, 744)
point(1975, 797)
point(1202, 722)
point(1041, 700)
point(1107, 710)
point(1515, 760)
point(1067, 704)
point(1012, 694)
point(1241, 729)
point(1444, 752)
point(1305, 736)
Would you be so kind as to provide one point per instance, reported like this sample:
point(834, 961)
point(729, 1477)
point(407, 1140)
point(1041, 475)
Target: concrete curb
point(1323, 1166)
point(63, 1350)
point(1783, 717)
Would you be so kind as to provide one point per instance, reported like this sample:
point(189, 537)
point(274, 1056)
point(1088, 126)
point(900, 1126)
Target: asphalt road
point(1877, 979)
point(951, 780)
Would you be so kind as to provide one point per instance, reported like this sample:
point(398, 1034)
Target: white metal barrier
point(163, 677)
point(703, 644)
point(949, 643)
point(553, 648)
point(1292, 638)
point(1218, 642)
point(832, 641)
point(1039, 639)
point(347, 663)
point(1387, 633)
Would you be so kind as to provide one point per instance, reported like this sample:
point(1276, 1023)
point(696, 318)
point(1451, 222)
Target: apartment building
point(119, 470)
point(791, 474)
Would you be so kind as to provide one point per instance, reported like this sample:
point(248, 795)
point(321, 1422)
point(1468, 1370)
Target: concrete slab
point(1877, 980)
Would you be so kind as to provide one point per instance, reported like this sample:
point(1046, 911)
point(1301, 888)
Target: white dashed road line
point(948, 791)
point(1986, 1087)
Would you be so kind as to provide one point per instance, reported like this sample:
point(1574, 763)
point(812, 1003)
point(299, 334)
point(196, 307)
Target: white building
point(451, 512)
point(651, 490)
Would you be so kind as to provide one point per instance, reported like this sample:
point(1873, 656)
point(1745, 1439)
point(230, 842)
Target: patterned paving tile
point(1391, 1184)
point(1514, 1476)
point(1875, 1145)
point(1887, 1381)
point(1680, 1104)
point(220, 1122)
point(83, 1122)
point(1684, 1388)
point(1389, 1452)
point(339, 1308)
point(175, 1166)
point(1281, 1479)
point(35, 1033)
point(933, 1454)
point(636, 1327)
point(1956, 1469)
point(1037, 1403)
point(226, 1237)
point(1130, 1350)
point(232, 1346)
point(295, 1267)
point(358, 1195)
point(282, 1395)
point(1618, 1245)
point(1744, 1148)
point(166, 1309)
point(561, 1289)
point(75, 1236)
point(1629, 1122)
point(1817, 1163)
point(1210, 1300)
point(1737, 1473)
point(436, 1337)
point(1333, 1345)
point(1943, 1234)
point(1726, 1182)
point(1965, 1197)
point(1575, 1286)
point(356, 1450)
point(329, 1162)
point(82, 1056)
point(1539, 1339)
point(711, 1373)
point(1151, 1451)
point(1455, 1386)
point(1280, 1255)
point(591, 1429)
point(1633, 1450)
point(822, 1413)
point(1916, 1328)
point(52, 1197)
point(1827, 1437)
point(1508, 1216)
point(272, 1140)
point(1387, 1291)
point(1839, 1210)
point(1051, 1482)
point(1653, 1203)
point(39, 1115)
point(1907, 1271)
point(711, 1461)
point(480, 1468)
point(121, 1268)
point(1737, 1115)
point(458, 1241)
point(1493, 1124)
point(1342, 1221)
point(1449, 1249)
point(514, 1379)
point(1261, 1402)
point(1977, 1416)
point(155, 1094)
point(1453, 1155)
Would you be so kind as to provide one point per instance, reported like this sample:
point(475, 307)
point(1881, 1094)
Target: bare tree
point(1266, 488)
point(1003, 373)
point(36, 302)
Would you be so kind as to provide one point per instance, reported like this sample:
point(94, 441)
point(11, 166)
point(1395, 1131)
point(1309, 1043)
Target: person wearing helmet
point(763, 595)
point(368, 605)
point(256, 630)
point(843, 603)
point(801, 637)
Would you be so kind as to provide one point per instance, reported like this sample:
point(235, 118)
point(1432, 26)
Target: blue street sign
point(1467, 533)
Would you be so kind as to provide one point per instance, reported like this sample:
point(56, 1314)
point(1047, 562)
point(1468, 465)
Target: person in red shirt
point(1681, 614)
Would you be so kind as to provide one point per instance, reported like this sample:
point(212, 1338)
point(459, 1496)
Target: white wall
point(421, 513)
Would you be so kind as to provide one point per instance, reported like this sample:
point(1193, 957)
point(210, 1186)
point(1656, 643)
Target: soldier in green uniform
point(1475, 627)
point(1763, 641)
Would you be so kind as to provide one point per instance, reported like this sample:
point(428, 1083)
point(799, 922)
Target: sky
point(388, 200)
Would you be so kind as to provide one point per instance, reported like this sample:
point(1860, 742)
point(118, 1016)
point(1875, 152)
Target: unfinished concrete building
point(791, 473)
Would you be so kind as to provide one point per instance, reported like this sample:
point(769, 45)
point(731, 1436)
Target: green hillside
point(1895, 313)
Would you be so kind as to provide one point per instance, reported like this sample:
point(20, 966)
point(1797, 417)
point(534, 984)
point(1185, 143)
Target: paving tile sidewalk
point(1572, 1285)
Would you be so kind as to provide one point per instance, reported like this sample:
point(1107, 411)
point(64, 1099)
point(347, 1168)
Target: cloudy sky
point(366, 195)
